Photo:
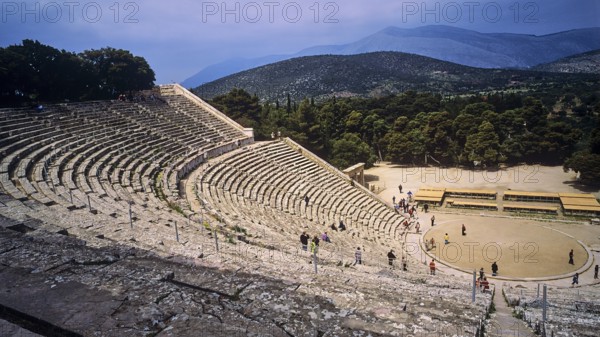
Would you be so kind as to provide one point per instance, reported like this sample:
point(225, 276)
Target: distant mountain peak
point(453, 44)
point(370, 74)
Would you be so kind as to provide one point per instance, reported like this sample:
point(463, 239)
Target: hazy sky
point(180, 37)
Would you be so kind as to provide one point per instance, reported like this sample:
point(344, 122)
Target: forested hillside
point(379, 74)
point(417, 128)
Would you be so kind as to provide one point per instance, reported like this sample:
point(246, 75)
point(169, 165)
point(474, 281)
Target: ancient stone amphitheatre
point(162, 217)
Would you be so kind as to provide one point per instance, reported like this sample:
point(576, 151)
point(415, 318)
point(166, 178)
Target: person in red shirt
point(485, 285)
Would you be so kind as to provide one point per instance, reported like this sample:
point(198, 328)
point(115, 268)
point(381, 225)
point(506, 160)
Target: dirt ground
point(523, 248)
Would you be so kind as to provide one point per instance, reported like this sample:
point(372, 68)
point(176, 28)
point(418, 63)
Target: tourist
point(485, 285)
point(417, 227)
point(494, 269)
point(304, 240)
point(464, 230)
point(481, 274)
point(400, 188)
point(391, 257)
point(432, 243)
point(306, 200)
point(404, 264)
point(314, 245)
point(596, 272)
point(394, 200)
point(571, 257)
point(425, 207)
point(342, 227)
point(432, 267)
point(575, 280)
point(446, 239)
point(432, 220)
point(325, 237)
point(333, 228)
point(357, 256)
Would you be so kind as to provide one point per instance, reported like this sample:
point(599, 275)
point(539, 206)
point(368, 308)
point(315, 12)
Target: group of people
point(341, 227)
point(403, 206)
point(482, 281)
point(392, 258)
point(305, 240)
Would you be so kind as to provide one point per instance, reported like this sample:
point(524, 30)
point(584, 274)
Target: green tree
point(350, 150)
point(438, 133)
point(119, 71)
point(354, 122)
point(239, 104)
point(32, 72)
point(484, 146)
point(587, 165)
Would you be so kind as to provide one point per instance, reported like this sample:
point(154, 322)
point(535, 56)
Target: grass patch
point(239, 229)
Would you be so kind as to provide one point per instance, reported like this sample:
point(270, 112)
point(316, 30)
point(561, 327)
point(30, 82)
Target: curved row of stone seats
point(74, 153)
point(274, 175)
point(273, 226)
point(197, 114)
point(279, 231)
point(570, 311)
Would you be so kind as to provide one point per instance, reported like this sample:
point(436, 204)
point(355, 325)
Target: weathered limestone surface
point(118, 290)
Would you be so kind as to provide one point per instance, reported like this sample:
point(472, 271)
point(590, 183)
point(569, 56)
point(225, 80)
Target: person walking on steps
point(391, 257)
point(357, 256)
point(432, 267)
point(304, 241)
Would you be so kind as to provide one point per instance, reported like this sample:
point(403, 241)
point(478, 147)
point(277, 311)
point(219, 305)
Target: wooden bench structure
point(531, 196)
point(523, 208)
point(579, 204)
point(430, 195)
point(471, 193)
point(473, 205)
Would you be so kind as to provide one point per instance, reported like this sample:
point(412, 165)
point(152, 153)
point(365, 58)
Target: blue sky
point(180, 37)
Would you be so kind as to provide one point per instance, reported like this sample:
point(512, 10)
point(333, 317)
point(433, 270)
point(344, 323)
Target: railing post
point(474, 286)
point(130, 216)
point(216, 241)
point(544, 304)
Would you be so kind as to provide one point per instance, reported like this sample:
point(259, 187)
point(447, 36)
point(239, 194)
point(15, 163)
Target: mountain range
point(457, 45)
point(378, 74)
point(581, 63)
